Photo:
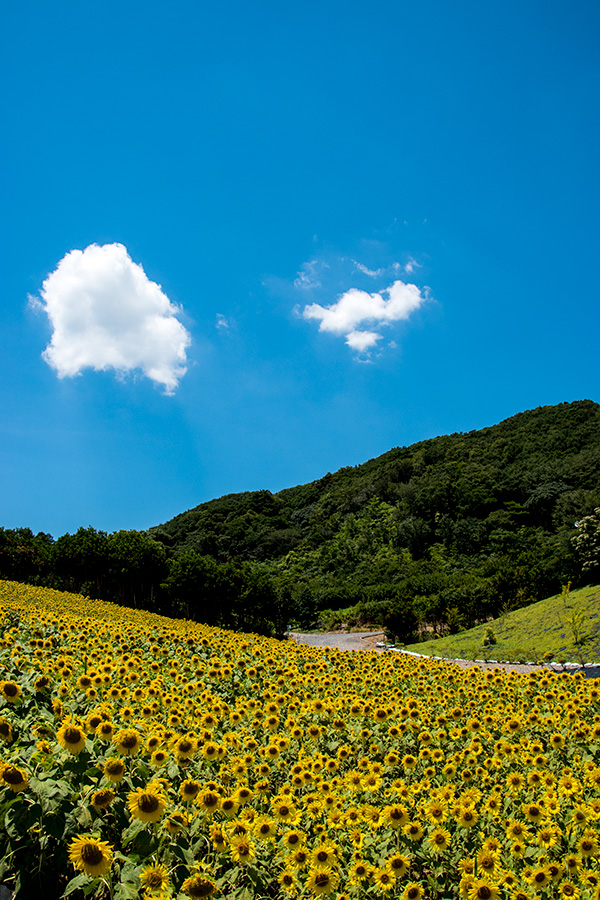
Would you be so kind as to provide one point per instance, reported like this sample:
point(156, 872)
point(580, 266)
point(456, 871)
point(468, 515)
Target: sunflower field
point(149, 757)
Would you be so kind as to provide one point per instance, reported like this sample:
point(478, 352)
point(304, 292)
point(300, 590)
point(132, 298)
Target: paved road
point(358, 640)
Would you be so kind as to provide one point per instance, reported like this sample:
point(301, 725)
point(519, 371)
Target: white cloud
point(355, 308)
point(107, 314)
point(411, 265)
point(222, 322)
point(362, 340)
point(309, 277)
point(372, 273)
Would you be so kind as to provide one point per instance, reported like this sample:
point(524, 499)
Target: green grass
point(525, 635)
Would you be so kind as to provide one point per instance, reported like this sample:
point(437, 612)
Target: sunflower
point(384, 879)
point(218, 837)
point(569, 891)
point(293, 838)
point(15, 778)
point(440, 839)
point(155, 878)
point(127, 741)
point(198, 886)
point(588, 845)
point(159, 758)
point(413, 831)
point(486, 861)
point(105, 731)
point(184, 748)
point(283, 811)
point(89, 855)
point(322, 881)
point(189, 789)
point(300, 857)
point(114, 769)
point(265, 829)
point(324, 855)
point(360, 871)
point(466, 816)
point(288, 882)
point(102, 799)
point(176, 821)
point(147, 804)
point(71, 737)
point(482, 889)
point(395, 815)
point(539, 877)
point(413, 891)
point(10, 690)
point(229, 806)
point(207, 799)
point(398, 865)
point(6, 732)
point(242, 850)
point(533, 812)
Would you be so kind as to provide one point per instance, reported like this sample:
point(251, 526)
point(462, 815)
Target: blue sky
point(371, 223)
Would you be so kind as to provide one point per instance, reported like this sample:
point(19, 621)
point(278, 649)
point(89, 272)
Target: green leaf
point(75, 883)
point(127, 890)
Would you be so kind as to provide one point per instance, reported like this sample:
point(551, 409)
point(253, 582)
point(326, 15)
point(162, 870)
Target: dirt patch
point(352, 640)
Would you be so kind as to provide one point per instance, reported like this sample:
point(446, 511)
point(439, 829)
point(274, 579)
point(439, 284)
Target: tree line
point(133, 569)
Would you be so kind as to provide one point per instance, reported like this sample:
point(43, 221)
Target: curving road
point(358, 640)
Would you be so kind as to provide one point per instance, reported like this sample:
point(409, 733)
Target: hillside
point(452, 528)
point(565, 627)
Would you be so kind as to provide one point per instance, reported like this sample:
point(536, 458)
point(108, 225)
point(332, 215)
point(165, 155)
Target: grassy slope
point(526, 634)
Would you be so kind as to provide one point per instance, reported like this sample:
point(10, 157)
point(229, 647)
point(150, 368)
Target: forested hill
point(465, 520)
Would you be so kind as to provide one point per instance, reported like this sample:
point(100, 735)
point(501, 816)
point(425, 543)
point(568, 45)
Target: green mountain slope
point(563, 628)
point(455, 527)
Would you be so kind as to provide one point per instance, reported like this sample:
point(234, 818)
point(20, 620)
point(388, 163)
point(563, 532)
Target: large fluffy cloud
point(356, 308)
point(107, 314)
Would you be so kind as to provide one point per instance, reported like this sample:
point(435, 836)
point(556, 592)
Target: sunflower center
point(10, 689)
point(185, 746)
point(4, 728)
point(484, 892)
point(12, 776)
point(200, 889)
point(72, 735)
point(148, 803)
point(91, 854)
point(129, 741)
point(155, 880)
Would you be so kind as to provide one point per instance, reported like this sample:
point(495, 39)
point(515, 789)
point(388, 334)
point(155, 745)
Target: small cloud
point(222, 322)
point(372, 273)
point(362, 340)
point(411, 265)
point(107, 314)
point(309, 277)
point(355, 308)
